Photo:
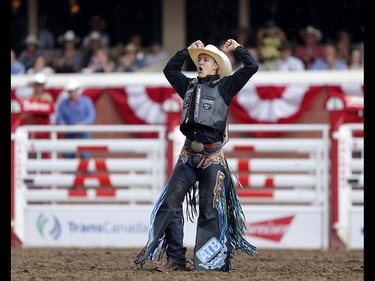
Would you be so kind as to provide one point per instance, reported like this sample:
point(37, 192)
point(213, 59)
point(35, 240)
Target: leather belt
point(199, 147)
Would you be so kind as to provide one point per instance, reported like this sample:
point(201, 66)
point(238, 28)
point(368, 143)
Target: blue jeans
point(83, 155)
point(174, 234)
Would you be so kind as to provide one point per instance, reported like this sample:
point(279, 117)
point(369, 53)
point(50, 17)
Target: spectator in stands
point(69, 58)
point(137, 42)
point(311, 49)
point(156, 55)
point(77, 110)
point(16, 67)
point(129, 62)
point(46, 36)
point(40, 65)
point(101, 62)
point(288, 62)
point(360, 45)
point(31, 51)
point(269, 39)
point(97, 24)
point(94, 44)
point(117, 51)
point(356, 59)
point(344, 45)
point(330, 60)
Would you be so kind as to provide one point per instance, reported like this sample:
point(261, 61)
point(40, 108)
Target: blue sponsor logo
point(106, 227)
point(209, 250)
point(48, 226)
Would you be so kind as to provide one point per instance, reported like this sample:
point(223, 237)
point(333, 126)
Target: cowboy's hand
point(197, 44)
point(230, 45)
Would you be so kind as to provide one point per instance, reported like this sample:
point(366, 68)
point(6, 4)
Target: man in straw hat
point(221, 225)
point(311, 49)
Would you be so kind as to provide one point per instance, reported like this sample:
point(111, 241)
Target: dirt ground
point(37, 264)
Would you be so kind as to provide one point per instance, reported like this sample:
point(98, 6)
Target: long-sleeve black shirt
point(228, 88)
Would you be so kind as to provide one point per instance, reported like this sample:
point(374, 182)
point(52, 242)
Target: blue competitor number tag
point(209, 250)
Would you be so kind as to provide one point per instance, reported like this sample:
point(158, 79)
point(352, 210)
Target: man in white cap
point(38, 115)
point(206, 100)
point(38, 82)
point(77, 109)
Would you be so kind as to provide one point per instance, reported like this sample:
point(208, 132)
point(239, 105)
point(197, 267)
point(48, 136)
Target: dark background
point(207, 20)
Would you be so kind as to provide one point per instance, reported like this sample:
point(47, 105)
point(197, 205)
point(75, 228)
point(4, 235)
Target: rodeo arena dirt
point(301, 184)
point(117, 264)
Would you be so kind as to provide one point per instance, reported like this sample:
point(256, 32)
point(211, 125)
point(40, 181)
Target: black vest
point(208, 107)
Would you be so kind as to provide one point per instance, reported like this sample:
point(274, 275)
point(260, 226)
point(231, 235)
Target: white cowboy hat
point(31, 39)
point(225, 66)
point(38, 78)
point(95, 35)
point(72, 85)
point(312, 30)
point(69, 35)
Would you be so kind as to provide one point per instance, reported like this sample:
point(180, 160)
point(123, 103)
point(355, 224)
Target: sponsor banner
point(277, 229)
point(356, 229)
point(87, 228)
point(125, 227)
point(285, 229)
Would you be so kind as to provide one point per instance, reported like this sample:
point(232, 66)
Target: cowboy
point(76, 110)
point(311, 49)
point(69, 58)
point(38, 107)
point(201, 164)
point(31, 51)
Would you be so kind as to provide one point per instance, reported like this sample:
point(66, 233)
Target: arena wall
point(107, 114)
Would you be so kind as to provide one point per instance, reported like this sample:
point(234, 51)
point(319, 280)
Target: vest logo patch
point(209, 250)
point(207, 106)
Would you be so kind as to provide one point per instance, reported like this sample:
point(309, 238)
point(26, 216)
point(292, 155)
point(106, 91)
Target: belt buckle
point(197, 146)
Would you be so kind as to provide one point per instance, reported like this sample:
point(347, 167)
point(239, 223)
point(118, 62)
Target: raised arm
point(173, 69)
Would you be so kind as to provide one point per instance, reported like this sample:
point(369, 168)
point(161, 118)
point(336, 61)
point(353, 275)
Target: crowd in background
point(68, 53)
